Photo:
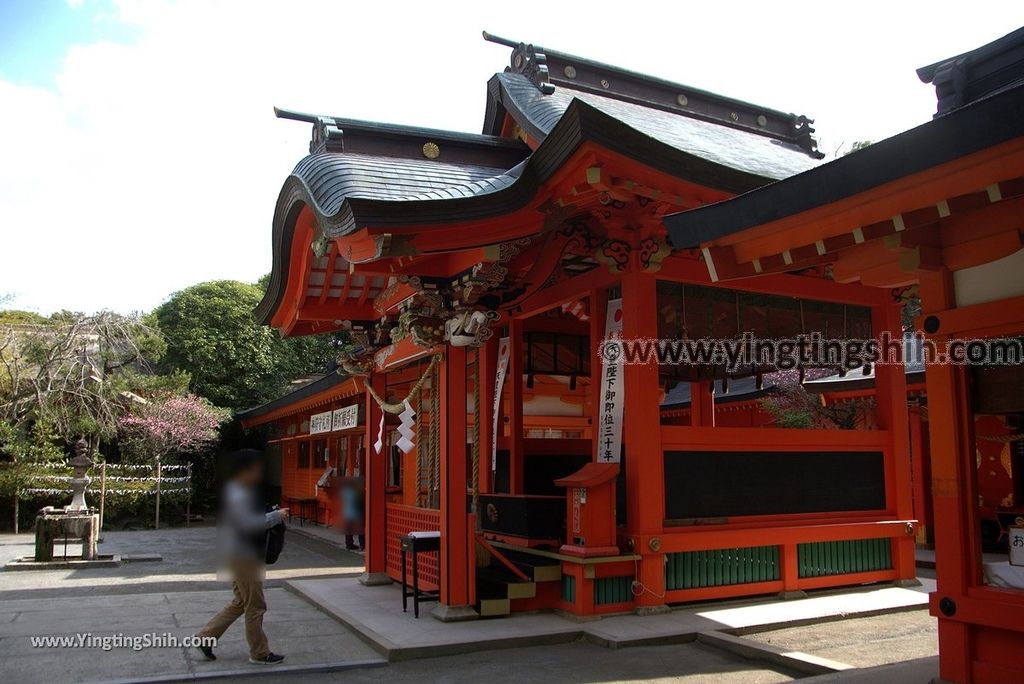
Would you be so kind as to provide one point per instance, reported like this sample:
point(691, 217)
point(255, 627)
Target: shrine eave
point(958, 139)
point(346, 193)
point(326, 388)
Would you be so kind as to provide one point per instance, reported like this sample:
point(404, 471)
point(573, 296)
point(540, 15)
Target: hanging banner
point(320, 422)
point(345, 418)
point(499, 384)
point(611, 397)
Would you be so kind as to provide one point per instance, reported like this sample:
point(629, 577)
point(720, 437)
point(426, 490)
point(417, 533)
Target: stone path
point(305, 635)
point(376, 613)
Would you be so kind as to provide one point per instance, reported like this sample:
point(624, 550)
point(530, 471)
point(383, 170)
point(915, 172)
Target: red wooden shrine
point(936, 209)
point(451, 263)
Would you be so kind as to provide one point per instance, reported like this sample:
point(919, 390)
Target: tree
point(56, 374)
point(233, 361)
point(57, 384)
point(170, 425)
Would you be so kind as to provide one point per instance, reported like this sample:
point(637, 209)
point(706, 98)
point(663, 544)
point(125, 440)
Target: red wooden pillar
point(919, 464)
point(514, 381)
point(598, 314)
point(374, 472)
point(891, 395)
point(645, 477)
point(957, 552)
point(702, 403)
point(455, 551)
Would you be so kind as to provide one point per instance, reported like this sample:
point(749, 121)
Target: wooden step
point(539, 568)
point(494, 607)
point(497, 582)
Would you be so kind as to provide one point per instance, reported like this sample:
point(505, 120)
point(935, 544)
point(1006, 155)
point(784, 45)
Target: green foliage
point(18, 317)
point(19, 448)
point(857, 145)
point(792, 406)
point(233, 361)
point(57, 373)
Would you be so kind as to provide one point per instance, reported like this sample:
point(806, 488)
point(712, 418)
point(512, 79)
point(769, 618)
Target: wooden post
point(455, 551)
point(488, 367)
point(645, 468)
point(156, 519)
point(957, 548)
point(374, 476)
point(891, 395)
point(702, 403)
point(103, 492)
point(188, 503)
point(16, 493)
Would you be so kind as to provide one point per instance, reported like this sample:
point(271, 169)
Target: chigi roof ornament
point(327, 135)
point(526, 60)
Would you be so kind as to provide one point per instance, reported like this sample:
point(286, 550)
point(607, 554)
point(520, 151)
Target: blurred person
point(243, 530)
point(352, 513)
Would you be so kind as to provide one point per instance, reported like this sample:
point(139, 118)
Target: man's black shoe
point(207, 652)
point(270, 659)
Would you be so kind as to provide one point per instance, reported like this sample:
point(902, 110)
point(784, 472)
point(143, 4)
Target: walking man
point(243, 533)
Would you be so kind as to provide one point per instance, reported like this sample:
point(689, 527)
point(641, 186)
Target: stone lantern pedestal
point(74, 521)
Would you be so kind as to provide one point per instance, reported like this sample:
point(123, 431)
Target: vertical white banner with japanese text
point(610, 397)
point(499, 384)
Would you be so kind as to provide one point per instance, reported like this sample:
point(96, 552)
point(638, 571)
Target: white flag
point(610, 396)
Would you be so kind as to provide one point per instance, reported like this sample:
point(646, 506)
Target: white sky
point(147, 166)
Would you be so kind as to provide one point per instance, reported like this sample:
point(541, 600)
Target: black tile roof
point(309, 389)
point(984, 71)
point(983, 124)
point(767, 157)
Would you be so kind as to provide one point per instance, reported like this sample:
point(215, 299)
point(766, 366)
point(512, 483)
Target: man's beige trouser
point(247, 584)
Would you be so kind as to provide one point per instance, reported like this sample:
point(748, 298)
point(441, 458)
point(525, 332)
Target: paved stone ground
point(294, 627)
point(181, 592)
point(189, 563)
point(176, 596)
point(864, 642)
point(692, 663)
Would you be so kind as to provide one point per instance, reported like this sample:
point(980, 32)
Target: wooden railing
point(402, 520)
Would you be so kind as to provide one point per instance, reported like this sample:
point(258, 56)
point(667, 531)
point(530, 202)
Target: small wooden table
point(301, 505)
point(417, 543)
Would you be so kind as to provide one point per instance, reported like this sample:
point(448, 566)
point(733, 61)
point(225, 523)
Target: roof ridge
point(383, 128)
point(548, 68)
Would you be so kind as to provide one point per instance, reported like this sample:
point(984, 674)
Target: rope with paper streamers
point(396, 409)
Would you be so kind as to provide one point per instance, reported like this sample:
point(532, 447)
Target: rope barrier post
point(103, 491)
point(188, 503)
point(156, 520)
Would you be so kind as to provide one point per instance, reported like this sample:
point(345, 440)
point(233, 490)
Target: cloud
point(153, 165)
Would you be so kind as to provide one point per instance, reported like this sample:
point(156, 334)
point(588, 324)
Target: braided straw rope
point(435, 440)
point(476, 431)
point(400, 406)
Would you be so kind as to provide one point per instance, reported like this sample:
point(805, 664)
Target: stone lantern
point(80, 480)
point(74, 521)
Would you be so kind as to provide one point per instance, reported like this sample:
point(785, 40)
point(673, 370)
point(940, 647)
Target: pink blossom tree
point(170, 425)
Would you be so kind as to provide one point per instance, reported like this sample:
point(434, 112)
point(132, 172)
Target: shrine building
point(473, 278)
point(936, 209)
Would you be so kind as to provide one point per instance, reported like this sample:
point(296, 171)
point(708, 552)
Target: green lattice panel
point(820, 559)
point(613, 590)
point(720, 567)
